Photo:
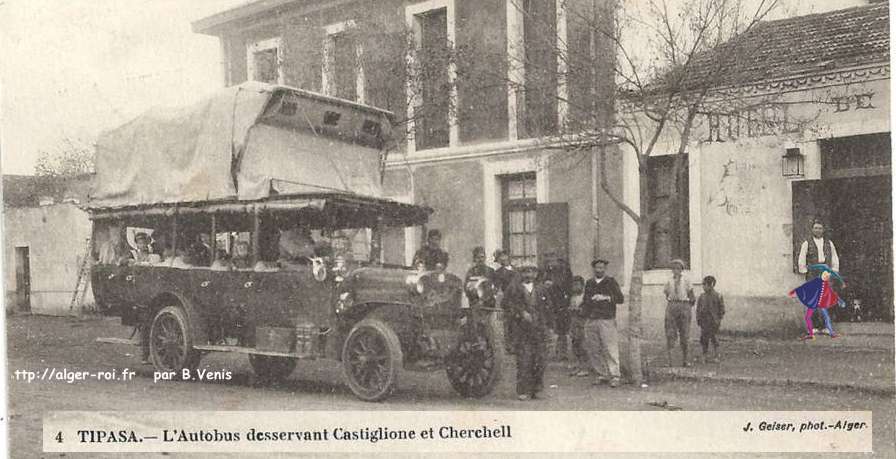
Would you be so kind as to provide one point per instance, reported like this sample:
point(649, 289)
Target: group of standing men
point(540, 302)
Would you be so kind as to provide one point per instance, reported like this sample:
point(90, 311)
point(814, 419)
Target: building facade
point(484, 144)
point(45, 233)
point(818, 148)
point(482, 93)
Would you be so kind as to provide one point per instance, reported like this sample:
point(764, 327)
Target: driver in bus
point(161, 246)
point(296, 246)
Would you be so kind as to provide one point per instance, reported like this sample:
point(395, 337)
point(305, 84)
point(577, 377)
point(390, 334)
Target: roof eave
point(216, 23)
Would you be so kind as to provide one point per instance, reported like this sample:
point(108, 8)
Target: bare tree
point(672, 68)
point(674, 62)
point(70, 159)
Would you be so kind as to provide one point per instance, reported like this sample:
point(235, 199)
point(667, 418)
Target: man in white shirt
point(679, 299)
point(817, 250)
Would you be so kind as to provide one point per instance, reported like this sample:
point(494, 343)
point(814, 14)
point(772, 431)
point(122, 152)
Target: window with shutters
point(264, 61)
point(518, 206)
point(669, 236)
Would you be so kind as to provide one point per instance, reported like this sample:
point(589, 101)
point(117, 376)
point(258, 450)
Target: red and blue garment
point(817, 293)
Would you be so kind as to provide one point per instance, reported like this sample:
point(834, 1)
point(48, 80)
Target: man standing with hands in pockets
point(679, 299)
point(601, 296)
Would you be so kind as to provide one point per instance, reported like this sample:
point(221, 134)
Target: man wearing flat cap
point(679, 300)
point(530, 309)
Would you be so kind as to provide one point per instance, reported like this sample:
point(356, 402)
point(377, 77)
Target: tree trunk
point(636, 284)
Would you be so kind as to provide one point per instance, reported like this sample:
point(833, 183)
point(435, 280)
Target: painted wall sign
point(753, 122)
point(851, 102)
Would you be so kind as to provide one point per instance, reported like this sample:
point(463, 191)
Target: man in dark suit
point(557, 278)
point(505, 274)
point(431, 254)
point(530, 308)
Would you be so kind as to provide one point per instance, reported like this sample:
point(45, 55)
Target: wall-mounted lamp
point(793, 163)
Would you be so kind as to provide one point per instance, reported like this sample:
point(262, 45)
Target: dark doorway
point(861, 226)
point(23, 279)
point(854, 200)
point(857, 187)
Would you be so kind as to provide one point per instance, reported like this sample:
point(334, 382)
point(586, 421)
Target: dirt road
point(36, 343)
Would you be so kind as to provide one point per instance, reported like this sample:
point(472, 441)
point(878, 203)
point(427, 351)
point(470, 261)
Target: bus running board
point(249, 350)
point(216, 348)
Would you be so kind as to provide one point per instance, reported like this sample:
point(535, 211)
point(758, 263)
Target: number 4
point(58, 437)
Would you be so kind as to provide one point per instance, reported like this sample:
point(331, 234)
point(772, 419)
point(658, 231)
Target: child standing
point(582, 366)
point(710, 310)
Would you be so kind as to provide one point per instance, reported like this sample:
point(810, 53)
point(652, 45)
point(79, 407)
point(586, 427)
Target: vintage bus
point(252, 223)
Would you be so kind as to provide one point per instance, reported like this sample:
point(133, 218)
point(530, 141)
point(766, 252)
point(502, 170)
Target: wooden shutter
point(552, 223)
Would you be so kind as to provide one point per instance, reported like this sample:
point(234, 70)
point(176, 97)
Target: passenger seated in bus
point(161, 247)
point(324, 249)
point(140, 254)
point(111, 252)
point(241, 258)
point(201, 251)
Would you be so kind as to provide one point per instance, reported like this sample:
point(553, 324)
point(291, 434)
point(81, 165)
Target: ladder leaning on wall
point(83, 276)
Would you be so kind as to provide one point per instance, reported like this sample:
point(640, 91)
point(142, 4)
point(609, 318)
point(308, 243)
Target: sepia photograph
point(295, 226)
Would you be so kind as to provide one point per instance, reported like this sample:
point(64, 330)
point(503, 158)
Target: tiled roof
point(799, 46)
point(29, 190)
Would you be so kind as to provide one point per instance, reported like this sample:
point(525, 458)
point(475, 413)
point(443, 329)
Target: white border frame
point(263, 45)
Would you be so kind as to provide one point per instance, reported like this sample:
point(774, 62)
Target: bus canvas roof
point(245, 142)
